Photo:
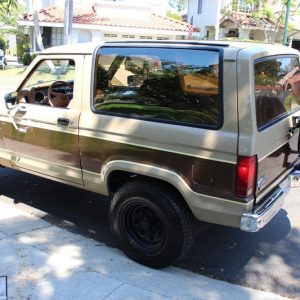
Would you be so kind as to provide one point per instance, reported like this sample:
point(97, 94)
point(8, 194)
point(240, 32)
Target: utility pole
point(286, 23)
point(68, 21)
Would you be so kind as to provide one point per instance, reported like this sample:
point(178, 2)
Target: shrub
point(27, 58)
point(3, 44)
point(22, 43)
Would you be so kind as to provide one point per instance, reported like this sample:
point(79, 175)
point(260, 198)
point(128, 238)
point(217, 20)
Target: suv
point(177, 132)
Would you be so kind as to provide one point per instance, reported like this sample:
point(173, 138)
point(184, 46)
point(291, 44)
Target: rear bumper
point(262, 214)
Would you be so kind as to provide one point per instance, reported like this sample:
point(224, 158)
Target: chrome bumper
point(254, 221)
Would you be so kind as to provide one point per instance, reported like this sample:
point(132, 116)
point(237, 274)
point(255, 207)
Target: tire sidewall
point(160, 202)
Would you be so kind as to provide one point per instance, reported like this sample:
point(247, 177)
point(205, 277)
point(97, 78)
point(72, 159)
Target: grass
point(10, 79)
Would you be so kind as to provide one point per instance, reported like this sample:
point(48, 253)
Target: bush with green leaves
point(3, 45)
point(27, 58)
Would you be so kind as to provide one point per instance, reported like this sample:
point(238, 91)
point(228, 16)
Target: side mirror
point(10, 98)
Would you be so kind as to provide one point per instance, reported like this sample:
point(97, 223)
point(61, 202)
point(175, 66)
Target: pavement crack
point(32, 230)
point(113, 291)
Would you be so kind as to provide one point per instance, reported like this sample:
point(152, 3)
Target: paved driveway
point(268, 260)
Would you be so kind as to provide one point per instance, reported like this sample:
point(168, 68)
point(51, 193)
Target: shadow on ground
point(268, 260)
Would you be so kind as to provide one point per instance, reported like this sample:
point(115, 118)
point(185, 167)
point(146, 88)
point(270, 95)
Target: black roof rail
point(179, 42)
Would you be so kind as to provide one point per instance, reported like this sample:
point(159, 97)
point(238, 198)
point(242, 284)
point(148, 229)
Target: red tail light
point(245, 176)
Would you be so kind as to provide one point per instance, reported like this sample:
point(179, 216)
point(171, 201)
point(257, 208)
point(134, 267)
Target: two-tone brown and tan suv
point(175, 131)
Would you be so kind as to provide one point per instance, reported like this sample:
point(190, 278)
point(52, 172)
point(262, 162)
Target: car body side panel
point(204, 159)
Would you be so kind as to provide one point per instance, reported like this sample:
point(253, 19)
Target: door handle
point(11, 115)
point(22, 109)
point(63, 121)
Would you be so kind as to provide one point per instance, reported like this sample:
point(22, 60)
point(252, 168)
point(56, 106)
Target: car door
point(47, 133)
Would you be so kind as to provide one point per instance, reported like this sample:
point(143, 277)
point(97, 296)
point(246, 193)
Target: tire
point(152, 226)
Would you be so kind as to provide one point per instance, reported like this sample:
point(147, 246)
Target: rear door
point(275, 82)
point(277, 99)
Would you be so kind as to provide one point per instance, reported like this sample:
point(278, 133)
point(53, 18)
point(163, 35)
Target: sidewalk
point(43, 261)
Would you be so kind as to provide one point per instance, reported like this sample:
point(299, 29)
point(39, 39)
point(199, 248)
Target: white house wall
point(209, 17)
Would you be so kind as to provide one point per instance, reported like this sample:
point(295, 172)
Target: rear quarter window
point(168, 85)
point(277, 88)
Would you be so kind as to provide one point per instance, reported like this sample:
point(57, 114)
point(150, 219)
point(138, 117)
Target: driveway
point(268, 260)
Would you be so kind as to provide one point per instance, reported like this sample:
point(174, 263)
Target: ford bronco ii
point(177, 132)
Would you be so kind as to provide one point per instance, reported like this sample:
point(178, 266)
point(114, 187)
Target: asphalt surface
point(268, 260)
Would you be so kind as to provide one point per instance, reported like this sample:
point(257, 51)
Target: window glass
point(49, 71)
point(180, 86)
point(51, 83)
point(277, 88)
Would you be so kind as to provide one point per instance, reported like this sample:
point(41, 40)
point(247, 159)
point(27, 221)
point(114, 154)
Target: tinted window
point(180, 86)
point(277, 88)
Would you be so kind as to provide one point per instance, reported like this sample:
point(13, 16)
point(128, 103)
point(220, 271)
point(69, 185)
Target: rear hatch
point(275, 103)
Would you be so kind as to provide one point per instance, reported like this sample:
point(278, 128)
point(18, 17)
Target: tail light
point(245, 176)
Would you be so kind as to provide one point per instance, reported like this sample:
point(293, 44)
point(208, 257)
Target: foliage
point(22, 43)
point(6, 6)
point(9, 11)
point(27, 58)
point(263, 12)
point(174, 15)
point(178, 5)
point(3, 44)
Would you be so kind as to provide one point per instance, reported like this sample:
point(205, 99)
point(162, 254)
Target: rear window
point(277, 88)
point(167, 85)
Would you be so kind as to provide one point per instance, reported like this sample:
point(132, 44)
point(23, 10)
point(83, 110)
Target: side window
point(277, 88)
point(168, 85)
point(51, 83)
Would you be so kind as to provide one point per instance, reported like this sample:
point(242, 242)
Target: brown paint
point(209, 177)
point(54, 146)
point(278, 162)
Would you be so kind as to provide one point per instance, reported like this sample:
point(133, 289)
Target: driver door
point(47, 134)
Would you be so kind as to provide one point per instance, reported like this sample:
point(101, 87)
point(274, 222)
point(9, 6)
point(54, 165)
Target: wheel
point(151, 224)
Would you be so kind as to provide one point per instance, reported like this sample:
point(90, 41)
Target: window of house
point(162, 38)
point(277, 88)
point(57, 36)
point(110, 35)
point(200, 6)
point(167, 85)
point(128, 36)
point(146, 37)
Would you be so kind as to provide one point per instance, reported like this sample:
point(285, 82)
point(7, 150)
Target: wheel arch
point(117, 173)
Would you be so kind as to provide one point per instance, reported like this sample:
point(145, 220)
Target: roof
point(89, 48)
point(86, 14)
point(245, 19)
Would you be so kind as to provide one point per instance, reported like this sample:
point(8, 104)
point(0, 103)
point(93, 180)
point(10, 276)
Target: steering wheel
point(58, 99)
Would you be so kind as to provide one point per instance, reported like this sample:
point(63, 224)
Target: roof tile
point(86, 15)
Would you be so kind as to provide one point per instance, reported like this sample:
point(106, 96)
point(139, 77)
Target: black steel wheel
point(152, 225)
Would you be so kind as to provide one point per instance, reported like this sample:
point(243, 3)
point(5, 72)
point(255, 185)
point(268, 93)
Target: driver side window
point(51, 83)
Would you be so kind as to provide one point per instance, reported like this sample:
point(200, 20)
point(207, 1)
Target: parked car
point(3, 60)
point(176, 132)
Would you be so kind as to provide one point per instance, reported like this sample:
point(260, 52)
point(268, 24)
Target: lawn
point(10, 79)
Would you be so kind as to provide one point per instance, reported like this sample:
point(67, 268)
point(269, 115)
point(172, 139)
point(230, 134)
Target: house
point(104, 21)
point(229, 19)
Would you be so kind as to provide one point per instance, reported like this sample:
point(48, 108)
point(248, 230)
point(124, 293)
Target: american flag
point(190, 29)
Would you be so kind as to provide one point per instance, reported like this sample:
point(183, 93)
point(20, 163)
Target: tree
point(174, 15)
point(7, 5)
point(178, 5)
